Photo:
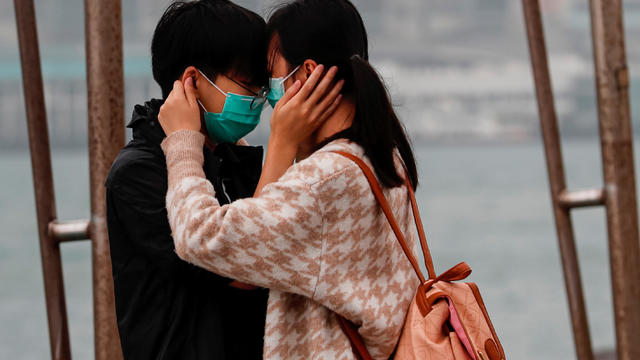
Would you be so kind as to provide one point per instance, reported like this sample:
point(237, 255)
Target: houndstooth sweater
point(316, 238)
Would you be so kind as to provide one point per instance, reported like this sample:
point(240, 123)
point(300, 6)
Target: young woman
point(313, 233)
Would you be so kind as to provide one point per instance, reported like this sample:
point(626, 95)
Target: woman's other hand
point(180, 110)
point(304, 108)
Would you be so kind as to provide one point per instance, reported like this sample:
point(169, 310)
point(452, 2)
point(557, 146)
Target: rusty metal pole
point(42, 179)
point(553, 151)
point(105, 86)
point(612, 81)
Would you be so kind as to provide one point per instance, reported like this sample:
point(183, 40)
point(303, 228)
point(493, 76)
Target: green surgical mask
point(277, 88)
point(239, 117)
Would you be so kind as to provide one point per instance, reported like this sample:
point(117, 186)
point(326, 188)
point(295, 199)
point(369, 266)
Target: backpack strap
point(357, 343)
point(428, 261)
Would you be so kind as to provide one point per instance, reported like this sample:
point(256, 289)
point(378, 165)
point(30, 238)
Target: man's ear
point(308, 67)
point(192, 72)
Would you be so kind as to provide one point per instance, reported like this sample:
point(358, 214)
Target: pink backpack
point(446, 320)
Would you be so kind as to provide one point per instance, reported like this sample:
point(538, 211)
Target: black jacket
point(167, 308)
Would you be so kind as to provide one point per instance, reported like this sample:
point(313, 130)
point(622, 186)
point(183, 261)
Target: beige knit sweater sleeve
point(273, 241)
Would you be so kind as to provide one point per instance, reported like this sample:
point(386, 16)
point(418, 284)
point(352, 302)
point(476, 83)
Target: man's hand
point(180, 110)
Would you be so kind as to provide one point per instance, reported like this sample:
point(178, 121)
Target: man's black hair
point(215, 36)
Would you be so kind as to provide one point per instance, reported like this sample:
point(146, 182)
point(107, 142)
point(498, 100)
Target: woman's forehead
point(274, 44)
point(277, 64)
point(274, 54)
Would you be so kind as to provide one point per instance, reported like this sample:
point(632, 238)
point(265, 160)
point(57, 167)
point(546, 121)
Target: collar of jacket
point(241, 165)
point(144, 122)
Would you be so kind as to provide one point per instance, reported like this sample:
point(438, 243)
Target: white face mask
point(277, 87)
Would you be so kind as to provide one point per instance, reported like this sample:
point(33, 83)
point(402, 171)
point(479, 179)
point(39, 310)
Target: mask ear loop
point(291, 74)
point(202, 106)
point(213, 84)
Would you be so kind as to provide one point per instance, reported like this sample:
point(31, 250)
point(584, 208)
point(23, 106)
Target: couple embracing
point(217, 255)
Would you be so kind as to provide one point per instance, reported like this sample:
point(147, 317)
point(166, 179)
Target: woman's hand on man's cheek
point(180, 110)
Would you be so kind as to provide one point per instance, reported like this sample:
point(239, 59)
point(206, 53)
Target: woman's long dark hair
point(331, 32)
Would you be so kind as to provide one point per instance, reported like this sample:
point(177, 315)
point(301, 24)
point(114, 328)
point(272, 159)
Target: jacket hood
point(144, 122)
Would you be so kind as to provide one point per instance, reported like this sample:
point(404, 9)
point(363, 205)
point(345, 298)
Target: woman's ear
point(308, 67)
point(191, 72)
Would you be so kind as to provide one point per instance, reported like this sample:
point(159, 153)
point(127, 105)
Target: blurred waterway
point(487, 205)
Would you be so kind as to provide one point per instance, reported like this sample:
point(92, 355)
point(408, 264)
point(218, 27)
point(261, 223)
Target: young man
point(167, 308)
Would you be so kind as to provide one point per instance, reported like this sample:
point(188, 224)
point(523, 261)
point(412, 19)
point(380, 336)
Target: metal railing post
point(105, 86)
point(612, 82)
point(553, 151)
point(619, 193)
point(42, 179)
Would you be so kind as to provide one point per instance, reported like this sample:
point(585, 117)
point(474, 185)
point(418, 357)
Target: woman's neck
point(339, 121)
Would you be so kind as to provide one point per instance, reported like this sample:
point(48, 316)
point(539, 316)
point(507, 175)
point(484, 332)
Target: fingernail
point(334, 69)
point(341, 82)
point(321, 67)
